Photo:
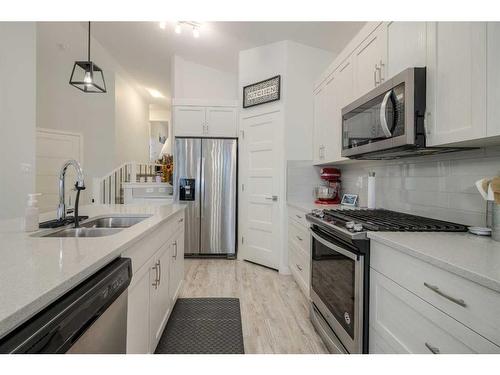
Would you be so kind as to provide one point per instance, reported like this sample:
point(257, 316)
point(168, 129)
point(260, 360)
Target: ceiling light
point(86, 76)
point(155, 93)
point(178, 28)
point(163, 24)
point(196, 32)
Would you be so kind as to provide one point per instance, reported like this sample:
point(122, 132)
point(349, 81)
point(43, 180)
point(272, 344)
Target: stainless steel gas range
point(340, 269)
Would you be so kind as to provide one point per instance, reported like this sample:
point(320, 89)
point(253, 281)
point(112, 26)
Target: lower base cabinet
point(401, 322)
point(153, 292)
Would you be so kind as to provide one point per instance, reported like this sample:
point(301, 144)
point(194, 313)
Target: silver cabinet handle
point(273, 198)
point(181, 220)
point(300, 217)
point(174, 244)
point(299, 238)
point(155, 268)
point(377, 82)
point(299, 267)
point(433, 349)
point(380, 71)
point(436, 290)
point(159, 272)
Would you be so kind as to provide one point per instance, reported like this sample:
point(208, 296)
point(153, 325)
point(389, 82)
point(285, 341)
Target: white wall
point(17, 115)
point(114, 125)
point(131, 123)
point(195, 81)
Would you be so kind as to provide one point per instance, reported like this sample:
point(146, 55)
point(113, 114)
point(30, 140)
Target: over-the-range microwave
point(388, 122)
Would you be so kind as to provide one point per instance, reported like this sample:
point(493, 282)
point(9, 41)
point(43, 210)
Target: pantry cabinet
point(202, 121)
point(158, 265)
point(456, 82)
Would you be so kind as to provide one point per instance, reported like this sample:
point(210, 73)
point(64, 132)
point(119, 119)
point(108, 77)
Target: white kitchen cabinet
point(200, 121)
point(370, 62)
point(155, 284)
point(406, 46)
point(222, 122)
point(456, 82)
point(299, 249)
point(138, 311)
point(189, 121)
point(160, 302)
point(319, 125)
point(493, 63)
point(176, 265)
point(404, 323)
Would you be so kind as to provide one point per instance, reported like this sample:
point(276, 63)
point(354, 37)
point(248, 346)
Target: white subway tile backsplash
point(439, 186)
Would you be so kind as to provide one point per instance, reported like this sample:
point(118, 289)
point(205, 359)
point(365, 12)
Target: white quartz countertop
point(309, 206)
point(35, 271)
point(467, 255)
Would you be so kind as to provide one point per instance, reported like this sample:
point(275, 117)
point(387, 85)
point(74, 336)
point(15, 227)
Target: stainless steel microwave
point(388, 122)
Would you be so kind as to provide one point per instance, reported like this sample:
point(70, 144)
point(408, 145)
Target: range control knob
point(349, 225)
point(358, 227)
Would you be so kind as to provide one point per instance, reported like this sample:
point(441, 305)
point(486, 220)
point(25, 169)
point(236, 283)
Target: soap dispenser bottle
point(31, 213)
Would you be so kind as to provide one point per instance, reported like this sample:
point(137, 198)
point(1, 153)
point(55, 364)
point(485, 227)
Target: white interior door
point(262, 182)
point(53, 148)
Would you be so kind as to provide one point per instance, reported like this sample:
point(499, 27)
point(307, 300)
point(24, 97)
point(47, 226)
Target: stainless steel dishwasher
point(90, 318)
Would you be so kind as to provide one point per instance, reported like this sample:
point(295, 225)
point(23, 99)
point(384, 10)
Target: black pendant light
point(87, 76)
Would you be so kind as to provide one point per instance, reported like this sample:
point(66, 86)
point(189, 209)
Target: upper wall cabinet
point(456, 82)
point(406, 46)
point(493, 85)
point(201, 121)
point(370, 62)
point(320, 129)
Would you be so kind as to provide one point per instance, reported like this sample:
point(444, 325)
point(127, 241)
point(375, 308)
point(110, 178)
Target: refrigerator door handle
point(202, 186)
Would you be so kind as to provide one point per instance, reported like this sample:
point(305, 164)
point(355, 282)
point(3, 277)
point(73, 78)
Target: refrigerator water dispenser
point(186, 189)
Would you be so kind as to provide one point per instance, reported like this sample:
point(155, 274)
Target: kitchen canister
point(495, 222)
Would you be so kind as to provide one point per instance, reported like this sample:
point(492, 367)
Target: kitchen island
point(35, 271)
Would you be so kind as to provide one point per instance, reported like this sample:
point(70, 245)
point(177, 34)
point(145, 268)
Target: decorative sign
point(262, 92)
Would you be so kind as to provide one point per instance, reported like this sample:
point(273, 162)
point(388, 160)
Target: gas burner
point(354, 223)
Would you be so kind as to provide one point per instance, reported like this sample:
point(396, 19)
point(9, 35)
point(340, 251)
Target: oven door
point(337, 287)
point(382, 119)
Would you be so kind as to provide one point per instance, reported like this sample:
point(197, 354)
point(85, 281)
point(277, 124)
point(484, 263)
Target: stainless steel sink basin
point(113, 222)
point(83, 232)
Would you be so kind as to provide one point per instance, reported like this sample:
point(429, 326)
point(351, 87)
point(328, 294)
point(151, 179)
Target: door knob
point(273, 198)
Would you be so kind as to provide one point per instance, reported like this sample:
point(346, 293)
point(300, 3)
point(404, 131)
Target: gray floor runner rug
point(203, 326)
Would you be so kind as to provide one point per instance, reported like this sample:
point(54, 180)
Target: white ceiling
point(144, 50)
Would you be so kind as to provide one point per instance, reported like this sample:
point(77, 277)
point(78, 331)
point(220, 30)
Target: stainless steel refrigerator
point(205, 172)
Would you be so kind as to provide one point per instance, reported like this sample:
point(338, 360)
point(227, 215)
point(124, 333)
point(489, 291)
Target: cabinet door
point(404, 323)
point(493, 64)
point(456, 82)
point(318, 124)
point(222, 122)
point(189, 121)
point(159, 297)
point(138, 338)
point(370, 61)
point(343, 94)
point(406, 46)
point(176, 266)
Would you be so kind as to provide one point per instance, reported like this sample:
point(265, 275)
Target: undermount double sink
point(97, 227)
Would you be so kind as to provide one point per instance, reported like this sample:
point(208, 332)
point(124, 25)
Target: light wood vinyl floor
point(275, 313)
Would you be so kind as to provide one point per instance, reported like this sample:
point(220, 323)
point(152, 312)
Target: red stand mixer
point(329, 193)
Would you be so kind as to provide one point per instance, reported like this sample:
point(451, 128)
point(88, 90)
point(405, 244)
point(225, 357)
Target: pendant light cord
point(89, 44)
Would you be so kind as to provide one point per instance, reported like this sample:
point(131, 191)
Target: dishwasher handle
point(58, 326)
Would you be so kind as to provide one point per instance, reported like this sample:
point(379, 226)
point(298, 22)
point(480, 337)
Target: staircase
point(109, 189)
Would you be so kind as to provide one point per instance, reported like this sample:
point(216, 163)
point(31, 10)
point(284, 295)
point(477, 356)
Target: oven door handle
point(333, 246)
point(383, 117)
